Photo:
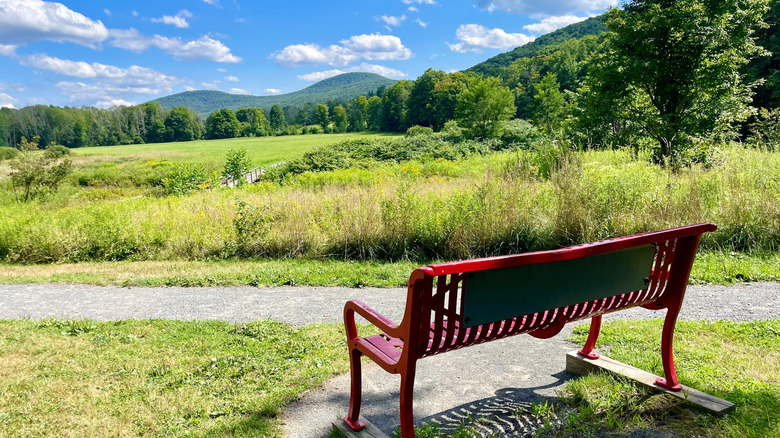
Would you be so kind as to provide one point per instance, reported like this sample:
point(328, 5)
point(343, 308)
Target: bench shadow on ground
point(510, 412)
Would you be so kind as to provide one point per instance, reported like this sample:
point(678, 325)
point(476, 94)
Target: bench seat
point(455, 305)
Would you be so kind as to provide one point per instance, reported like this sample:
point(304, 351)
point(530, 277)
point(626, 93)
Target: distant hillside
point(347, 86)
point(492, 67)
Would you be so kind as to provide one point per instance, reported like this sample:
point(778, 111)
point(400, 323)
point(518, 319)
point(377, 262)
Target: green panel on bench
point(498, 294)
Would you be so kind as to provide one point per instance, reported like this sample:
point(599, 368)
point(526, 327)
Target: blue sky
point(127, 52)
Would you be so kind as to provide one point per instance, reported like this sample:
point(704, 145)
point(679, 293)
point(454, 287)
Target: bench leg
point(356, 391)
point(587, 349)
point(407, 394)
point(667, 358)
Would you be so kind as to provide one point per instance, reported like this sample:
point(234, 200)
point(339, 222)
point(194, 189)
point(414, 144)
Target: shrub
point(415, 131)
point(186, 178)
point(34, 174)
point(236, 166)
point(520, 133)
point(7, 153)
point(57, 151)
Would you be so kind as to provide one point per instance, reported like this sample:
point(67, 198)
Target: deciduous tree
point(484, 105)
point(673, 66)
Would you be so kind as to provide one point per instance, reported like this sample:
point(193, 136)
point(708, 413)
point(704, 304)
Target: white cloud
point(210, 85)
point(422, 23)
point(413, 9)
point(25, 21)
point(367, 68)
point(212, 2)
point(377, 47)
point(113, 102)
point(202, 48)
point(179, 20)
point(135, 13)
point(133, 75)
point(238, 91)
point(6, 101)
point(240, 20)
point(548, 8)
point(421, 2)
point(107, 91)
point(272, 91)
point(188, 88)
point(371, 47)
point(231, 78)
point(298, 54)
point(550, 24)
point(222, 70)
point(393, 20)
point(475, 37)
point(107, 12)
point(106, 84)
point(7, 49)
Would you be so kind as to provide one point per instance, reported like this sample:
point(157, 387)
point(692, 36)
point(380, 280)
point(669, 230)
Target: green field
point(261, 150)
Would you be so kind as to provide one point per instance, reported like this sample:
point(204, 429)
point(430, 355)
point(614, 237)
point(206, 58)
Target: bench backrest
point(469, 302)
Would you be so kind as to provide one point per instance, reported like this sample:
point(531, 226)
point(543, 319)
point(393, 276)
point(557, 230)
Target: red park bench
point(454, 305)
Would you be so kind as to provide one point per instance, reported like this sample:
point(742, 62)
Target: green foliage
point(494, 65)
point(7, 153)
point(34, 173)
point(276, 119)
point(237, 165)
point(184, 125)
point(251, 225)
point(394, 106)
point(549, 106)
point(765, 130)
point(57, 151)
point(340, 119)
point(520, 133)
point(222, 124)
point(255, 123)
point(417, 130)
point(321, 116)
point(484, 106)
point(187, 178)
point(673, 68)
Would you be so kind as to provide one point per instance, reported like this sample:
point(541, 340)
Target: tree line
point(665, 74)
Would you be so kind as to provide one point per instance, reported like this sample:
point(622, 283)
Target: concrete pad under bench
point(582, 365)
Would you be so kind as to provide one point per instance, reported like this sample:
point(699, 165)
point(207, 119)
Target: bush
point(520, 133)
point(236, 166)
point(57, 151)
point(186, 178)
point(415, 131)
point(7, 153)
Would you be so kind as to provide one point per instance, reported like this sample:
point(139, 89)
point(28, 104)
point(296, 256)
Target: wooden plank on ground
point(581, 365)
point(370, 431)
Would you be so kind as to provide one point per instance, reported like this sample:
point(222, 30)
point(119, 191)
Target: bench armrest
point(370, 315)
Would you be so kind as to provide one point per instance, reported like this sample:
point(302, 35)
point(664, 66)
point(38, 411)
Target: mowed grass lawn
point(159, 378)
point(261, 150)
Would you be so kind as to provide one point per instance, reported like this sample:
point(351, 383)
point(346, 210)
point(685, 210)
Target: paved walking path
point(496, 378)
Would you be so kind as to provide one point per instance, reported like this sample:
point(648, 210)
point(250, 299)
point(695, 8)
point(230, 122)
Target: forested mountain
point(492, 67)
point(342, 87)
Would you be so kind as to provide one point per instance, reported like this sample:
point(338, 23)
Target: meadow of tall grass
point(500, 203)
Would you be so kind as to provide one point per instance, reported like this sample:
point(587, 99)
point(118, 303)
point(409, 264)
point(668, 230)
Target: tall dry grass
point(487, 205)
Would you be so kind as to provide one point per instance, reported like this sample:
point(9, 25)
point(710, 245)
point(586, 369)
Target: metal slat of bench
point(434, 319)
